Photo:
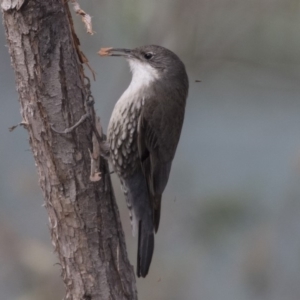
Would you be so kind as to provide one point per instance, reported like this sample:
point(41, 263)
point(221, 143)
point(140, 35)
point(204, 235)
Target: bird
point(143, 134)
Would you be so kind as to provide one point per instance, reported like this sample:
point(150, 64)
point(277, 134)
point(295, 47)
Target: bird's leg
point(95, 174)
point(101, 139)
point(100, 148)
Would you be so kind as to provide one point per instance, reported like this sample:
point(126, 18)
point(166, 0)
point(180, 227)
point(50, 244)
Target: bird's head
point(151, 61)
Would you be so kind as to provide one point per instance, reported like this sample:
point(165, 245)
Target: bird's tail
point(138, 202)
point(145, 247)
point(156, 211)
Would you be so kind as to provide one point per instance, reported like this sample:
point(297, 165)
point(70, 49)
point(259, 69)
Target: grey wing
point(157, 142)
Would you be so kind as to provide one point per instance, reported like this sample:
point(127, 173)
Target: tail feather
point(141, 211)
point(145, 248)
point(156, 217)
point(156, 211)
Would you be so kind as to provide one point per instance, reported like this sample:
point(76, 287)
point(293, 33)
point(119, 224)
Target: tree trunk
point(84, 220)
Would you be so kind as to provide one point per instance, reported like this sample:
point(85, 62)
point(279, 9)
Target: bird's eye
point(148, 55)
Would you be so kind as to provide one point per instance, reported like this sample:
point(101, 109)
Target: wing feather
point(155, 171)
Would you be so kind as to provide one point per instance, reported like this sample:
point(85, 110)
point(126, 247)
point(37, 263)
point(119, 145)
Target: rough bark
point(84, 220)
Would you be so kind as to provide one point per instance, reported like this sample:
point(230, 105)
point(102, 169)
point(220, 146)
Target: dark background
point(230, 226)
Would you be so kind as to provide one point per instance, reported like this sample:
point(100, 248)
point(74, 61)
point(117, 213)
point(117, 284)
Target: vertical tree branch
point(84, 220)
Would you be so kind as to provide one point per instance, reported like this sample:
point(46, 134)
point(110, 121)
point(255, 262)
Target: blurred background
point(230, 226)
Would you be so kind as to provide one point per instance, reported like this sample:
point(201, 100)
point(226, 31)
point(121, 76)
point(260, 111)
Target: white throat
point(142, 74)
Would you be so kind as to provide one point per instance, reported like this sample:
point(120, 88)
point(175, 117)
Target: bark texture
point(84, 220)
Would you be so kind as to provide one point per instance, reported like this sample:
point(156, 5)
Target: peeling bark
point(84, 220)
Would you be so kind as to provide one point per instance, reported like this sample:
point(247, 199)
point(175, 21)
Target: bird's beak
point(120, 52)
point(115, 52)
